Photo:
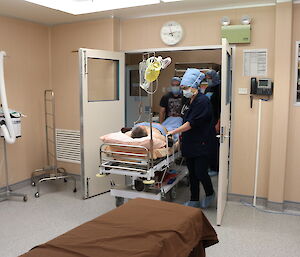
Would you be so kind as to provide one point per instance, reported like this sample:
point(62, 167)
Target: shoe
point(213, 173)
point(195, 204)
point(207, 201)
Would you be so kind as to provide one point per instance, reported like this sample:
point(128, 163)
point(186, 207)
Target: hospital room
point(149, 128)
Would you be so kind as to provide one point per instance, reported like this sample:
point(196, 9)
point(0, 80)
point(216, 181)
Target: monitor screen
point(263, 83)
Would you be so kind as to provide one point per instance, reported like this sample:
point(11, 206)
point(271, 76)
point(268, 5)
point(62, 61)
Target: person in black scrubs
point(213, 92)
point(197, 133)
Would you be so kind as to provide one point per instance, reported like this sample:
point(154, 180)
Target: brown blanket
point(140, 228)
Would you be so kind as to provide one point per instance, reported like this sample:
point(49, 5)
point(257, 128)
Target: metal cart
point(51, 171)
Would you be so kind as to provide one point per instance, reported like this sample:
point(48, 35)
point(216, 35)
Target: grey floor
point(245, 230)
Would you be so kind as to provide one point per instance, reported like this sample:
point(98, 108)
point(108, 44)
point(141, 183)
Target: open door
point(102, 103)
point(226, 93)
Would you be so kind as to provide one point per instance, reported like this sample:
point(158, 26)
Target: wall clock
point(171, 33)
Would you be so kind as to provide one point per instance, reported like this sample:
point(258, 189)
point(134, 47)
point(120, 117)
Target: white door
point(102, 111)
point(226, 93)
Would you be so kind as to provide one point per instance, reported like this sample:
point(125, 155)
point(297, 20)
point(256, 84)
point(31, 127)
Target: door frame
point(205, 47)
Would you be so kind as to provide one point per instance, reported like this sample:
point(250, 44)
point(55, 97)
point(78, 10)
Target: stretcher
point(141, 228)
point(145, 170)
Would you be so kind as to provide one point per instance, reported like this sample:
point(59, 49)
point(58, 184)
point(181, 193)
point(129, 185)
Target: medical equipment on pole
point(149, 70)
point(5, 124)
point(10, 124)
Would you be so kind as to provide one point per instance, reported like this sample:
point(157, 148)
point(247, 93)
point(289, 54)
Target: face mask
point(187, 93)
point(175, 90)
point(210, 83)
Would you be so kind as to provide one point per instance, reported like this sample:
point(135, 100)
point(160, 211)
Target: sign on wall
point(255, 63)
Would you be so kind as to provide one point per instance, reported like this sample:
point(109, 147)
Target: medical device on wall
point(10, 124)
point(262, 87)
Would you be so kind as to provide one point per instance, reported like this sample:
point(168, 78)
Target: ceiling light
point(246, 20)
point(225, 21)
point(168, 1)
point(89, 6)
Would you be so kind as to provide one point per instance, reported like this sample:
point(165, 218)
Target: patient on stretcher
point(141, 134)
point(159, 131)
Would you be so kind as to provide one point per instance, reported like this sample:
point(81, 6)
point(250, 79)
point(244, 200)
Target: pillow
point(121, 138)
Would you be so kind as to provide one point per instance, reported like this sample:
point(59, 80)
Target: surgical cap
point(214, 77)
point(176, 79)
point(192, 78)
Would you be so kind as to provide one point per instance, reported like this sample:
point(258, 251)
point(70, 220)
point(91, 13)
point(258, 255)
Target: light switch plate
point(243, 91)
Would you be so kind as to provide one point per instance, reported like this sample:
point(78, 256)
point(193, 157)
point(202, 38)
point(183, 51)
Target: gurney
point(140, 228)
point(146, 171)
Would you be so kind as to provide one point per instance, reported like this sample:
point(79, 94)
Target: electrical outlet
point(243, 91)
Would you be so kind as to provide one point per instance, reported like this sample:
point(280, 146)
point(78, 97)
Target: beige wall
point(27, 76)
point(204, 29)
point(28, 73)
point(66, 38)
point(292, 188)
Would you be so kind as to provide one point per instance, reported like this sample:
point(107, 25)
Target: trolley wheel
point(139, 185)
point(75, 190)
point(33, 183)
point(25, 198)
point(173, 193)
point(98, 175)
point(37, 195)
point(65, 180)
point(149, 182)
point(119, 201)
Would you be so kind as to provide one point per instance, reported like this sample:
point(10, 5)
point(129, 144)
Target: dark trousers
point(198, 172)
point(214, 160)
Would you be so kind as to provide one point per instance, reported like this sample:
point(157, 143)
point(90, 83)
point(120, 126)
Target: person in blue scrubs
point(197, 137)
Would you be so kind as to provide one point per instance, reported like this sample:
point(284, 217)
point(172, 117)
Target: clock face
point(171, 33)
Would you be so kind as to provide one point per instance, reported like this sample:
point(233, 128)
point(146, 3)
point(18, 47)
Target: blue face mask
point(175, 90)
point(210, 82)
point(187, 93)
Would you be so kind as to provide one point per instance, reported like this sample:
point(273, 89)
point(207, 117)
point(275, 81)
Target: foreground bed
point(140, 228)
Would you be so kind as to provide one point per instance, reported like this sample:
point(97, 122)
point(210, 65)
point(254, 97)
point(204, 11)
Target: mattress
point(157, 153)
point(140, 228)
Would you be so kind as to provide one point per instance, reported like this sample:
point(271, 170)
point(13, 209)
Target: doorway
point(113, 105)
point(218, 58)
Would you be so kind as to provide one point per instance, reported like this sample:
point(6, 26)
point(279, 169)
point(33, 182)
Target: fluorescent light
point(168, 1)
point(89, 6)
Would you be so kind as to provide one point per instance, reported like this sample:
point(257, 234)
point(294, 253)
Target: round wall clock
point(171, 33)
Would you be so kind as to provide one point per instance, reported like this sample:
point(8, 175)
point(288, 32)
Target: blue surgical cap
point(176, 79)
point(192, 78)
point(214, 77)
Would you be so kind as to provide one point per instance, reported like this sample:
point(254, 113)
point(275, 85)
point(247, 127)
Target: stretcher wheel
point(37, 195)
point(25, 198)
point(119, 201)
point(33, 183)
point(75, 190)
point(139, 185)
point(98, 175)
point(65, 180)
point(149, 182)
point(173, 193)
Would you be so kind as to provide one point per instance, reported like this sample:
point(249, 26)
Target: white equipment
point(10, 124)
